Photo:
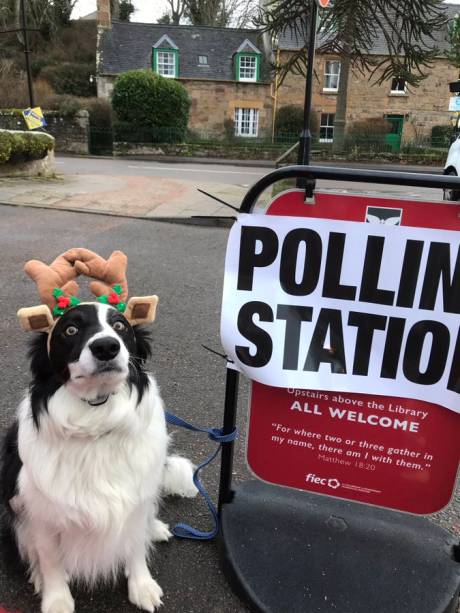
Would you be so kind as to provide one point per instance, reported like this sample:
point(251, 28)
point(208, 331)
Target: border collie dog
point(86, 461)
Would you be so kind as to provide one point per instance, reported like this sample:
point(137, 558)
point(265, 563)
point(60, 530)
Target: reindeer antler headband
point(58, 289)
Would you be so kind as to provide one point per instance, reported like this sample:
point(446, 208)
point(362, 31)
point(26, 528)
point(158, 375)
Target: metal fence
point(102, 139)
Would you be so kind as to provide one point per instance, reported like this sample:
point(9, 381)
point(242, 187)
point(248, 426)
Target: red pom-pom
point(114, 298)
point(63, 302)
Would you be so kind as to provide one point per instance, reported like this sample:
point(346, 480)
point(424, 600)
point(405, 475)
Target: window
point(203, 60)
point(247, 67)
point(165, 62)
point(331, 76)
point(326, 129)
point(246, 122)
point(398, 86)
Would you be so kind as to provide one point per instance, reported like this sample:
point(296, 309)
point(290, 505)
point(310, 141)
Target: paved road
point(184, 265)
point(201, 174)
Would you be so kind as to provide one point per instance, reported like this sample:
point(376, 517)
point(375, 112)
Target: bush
point(6, 145)
point(100, 113)
point(24, 146)
point(67, 106)
point(147, 101)
point(70, 78)
point(367, 133)
point(440, 135)
point(229, 128)
point(289, 120)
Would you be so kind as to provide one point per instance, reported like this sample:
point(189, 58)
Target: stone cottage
point(412, 112)
point(226, 71)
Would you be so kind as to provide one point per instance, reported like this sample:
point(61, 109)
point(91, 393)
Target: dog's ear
point(141, 310)
point(36, 319)
point(143, 343)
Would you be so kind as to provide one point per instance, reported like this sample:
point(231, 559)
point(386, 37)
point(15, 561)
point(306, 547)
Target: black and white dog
point(86, 462)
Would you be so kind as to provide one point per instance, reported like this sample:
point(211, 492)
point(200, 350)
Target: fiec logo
point(332, 483)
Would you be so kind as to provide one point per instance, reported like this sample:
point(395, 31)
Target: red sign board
point(324, 4)
point(393, 452)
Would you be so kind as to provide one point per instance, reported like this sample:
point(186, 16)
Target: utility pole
point(27, 53)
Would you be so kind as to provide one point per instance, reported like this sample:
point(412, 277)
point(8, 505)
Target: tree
point(218, 13)
point(126, 10)
point(453, 54)
point(350, 28)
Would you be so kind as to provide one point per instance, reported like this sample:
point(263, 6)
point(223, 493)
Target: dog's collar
point(97, 402)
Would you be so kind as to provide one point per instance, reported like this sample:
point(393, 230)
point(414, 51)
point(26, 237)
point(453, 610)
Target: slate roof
point(290, 39)
point(128, 46)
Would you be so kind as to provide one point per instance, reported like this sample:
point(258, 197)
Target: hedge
point(16, 146)
point(146, 100)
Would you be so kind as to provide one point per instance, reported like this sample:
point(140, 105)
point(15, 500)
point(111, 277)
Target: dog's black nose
point(105, 348)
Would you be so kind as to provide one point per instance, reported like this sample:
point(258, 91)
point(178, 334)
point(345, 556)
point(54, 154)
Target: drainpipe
point(275, 95)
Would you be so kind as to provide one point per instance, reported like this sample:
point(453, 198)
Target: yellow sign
point(34, 118)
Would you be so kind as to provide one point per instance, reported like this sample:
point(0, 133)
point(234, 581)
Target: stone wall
point(422, 107)
point(215, 101)
point(71, 133)
point(34, 168)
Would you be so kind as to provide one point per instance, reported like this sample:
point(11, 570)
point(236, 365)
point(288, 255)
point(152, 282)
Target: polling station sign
point(373, 309)
point(334, 304)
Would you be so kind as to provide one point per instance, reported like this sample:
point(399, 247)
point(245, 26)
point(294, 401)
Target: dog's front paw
point(160, 531)
point(58, 603)
point(145, 593)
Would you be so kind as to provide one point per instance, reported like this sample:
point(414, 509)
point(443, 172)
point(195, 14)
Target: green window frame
point(241, 63)
point(156, 62)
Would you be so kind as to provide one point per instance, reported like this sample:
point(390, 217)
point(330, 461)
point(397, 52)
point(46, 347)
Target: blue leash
point(185, 531)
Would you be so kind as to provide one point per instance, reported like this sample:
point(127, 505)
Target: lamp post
point(305, 136)
point(27, 53)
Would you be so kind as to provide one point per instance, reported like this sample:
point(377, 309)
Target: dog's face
point(93, 352)
point(90, 349)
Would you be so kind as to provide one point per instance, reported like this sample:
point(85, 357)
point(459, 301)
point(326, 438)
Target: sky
point(147, 11)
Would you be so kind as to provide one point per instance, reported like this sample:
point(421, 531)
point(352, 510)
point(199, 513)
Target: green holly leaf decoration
point(57, 292)
point(103, 299)
point(117, 289)
point(57, 312)
point(121, 306)
point(74, 301)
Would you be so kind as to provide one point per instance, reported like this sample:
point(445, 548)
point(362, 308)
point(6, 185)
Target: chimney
point(103, 14)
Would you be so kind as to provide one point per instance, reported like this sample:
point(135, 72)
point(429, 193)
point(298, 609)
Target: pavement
point(161, 190)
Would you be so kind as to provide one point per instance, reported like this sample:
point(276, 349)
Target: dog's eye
point(118, 326)
point(71, 331)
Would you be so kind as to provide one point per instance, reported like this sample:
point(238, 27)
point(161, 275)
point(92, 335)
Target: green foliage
point(350, 28)
point(126, 10)
point(24, 146)
point(453, 34)
point(229, 128)
point(146, 101)
point(368, 133)
point(289, 120)
point(440, 135)
point(100, 113)
point(71, 78)
point(67, 106)
point(6, 144)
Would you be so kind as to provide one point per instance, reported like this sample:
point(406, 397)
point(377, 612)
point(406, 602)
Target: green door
point(393, 138)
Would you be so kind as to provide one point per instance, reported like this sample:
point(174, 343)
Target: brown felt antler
point(107, 272)
point(61, 274)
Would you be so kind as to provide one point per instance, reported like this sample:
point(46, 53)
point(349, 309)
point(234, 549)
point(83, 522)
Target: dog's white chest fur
point(104, 467)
